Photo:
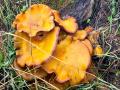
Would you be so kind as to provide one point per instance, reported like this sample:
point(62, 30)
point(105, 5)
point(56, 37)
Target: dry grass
point(108, 66)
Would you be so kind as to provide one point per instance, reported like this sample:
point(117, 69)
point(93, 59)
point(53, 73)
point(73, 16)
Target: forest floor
point(105, 18)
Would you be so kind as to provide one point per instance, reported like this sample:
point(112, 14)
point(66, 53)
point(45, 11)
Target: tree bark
point(80, 9)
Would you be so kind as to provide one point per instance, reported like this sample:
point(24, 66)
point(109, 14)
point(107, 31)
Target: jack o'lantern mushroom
point(36, 41)
point(36, 18)
point(89, 29)
point(35, 50)
point(98, 51)
point(93, 38)
point(69, 24)
point(88, 44)
point(80, 35)
point(71, 62)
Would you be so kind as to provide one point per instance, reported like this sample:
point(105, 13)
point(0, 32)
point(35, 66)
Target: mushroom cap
point(57, 16)
point(98, 51)
point(34, 51)
point(36, 18)
point(93, 37)
point(72, 60)
point(69, 24)
point(88, 44)
point(89, 29)
point(80, 35)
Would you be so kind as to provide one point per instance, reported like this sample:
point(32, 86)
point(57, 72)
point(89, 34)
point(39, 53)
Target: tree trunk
point(80, 9)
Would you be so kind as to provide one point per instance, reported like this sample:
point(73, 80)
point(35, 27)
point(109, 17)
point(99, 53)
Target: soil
point(98, 19)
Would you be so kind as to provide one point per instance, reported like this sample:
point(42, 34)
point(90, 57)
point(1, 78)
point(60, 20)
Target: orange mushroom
point(36, 41)
point(80, 35)
point(89, 29)
point(98, 51)
point(93, 37)
point(34, 51)
point(36, 18)
point(88, 44)
point(72, 60)
point(69, 24)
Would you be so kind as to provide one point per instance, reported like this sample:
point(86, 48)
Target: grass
point(105, 65)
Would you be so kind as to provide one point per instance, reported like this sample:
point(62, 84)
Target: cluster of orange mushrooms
point(43, 38)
